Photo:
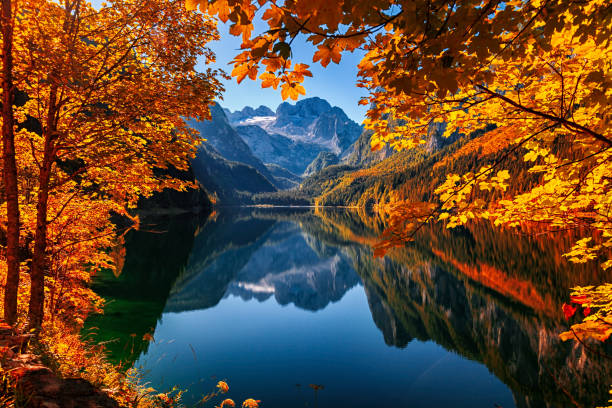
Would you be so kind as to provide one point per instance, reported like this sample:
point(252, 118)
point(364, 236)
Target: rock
point(37, 385)
point(323, 160)
point(45, 389)
point(312, 124)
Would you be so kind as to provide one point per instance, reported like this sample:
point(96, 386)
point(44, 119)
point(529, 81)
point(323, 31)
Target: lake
point(291, 308)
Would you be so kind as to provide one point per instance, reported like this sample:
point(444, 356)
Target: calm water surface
point(275, 302)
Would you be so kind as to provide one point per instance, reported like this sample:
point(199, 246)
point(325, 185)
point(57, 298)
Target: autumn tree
point(9, 166)
point(537, 71)
point(107, 90)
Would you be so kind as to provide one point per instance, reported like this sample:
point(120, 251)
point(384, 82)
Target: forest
point(480, 114)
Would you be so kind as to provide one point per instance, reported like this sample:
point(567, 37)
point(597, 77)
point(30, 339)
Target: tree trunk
point(37, 269)
point(39, 257)
point(9, 167)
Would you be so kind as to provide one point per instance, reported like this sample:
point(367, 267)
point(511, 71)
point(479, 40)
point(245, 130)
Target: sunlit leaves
point(244, 70)
point(325, 54)
point(292, 90)
point(109, 88)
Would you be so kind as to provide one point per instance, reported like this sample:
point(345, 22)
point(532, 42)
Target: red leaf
point(586, 311)
point(568, 310)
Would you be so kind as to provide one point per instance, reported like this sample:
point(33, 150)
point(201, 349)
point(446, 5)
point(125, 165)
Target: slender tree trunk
point(39, 257)
point(37, 269)
point(9, 167)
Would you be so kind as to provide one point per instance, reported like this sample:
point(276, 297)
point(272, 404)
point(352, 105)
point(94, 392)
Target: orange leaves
point(150, 48)
point(325, 54)
point(292, 90)
point(241, 71)
point(227, 403)
point(269, 80)
point(275, 64)
point(250, 403)
point(302, 70)
point(191, 4)
point(219, 8)
point(273, 16)
point(291, 80)
point(223, 387)
point(241, 29)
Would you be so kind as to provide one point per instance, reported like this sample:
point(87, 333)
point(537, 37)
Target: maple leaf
point(269, 80)
point(292, 90)
point(241, 71)
point(326, 54)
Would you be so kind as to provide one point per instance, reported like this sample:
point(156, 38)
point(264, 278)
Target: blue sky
point(336, 83)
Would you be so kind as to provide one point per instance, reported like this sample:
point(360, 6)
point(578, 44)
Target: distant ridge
point(294, 135)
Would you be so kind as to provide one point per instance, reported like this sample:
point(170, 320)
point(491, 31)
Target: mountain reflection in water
point(468, 317)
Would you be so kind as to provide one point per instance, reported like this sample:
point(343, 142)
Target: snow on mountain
point(312, 120)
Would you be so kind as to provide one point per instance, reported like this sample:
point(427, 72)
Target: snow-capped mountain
point(307, 128)
point(272, 148)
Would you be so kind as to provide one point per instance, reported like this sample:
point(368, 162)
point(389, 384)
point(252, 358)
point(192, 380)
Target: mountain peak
point(297, 132)
point(248, 112)
point(309, 107)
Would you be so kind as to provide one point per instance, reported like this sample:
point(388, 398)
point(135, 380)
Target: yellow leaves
point(292, 90)
point(598, 330)
point(191, 4)
point(241, 29)
point(325, 54)
point(581, 252)
point(533, 155)
point(269, 80)
point(443, 216)
point(241, 71)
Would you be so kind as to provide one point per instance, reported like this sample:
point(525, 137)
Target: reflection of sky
point(264, 350)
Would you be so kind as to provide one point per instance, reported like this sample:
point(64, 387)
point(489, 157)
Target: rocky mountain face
point(225, 164)
point(296, 134)
point(230, 181)
point(226, 142)
point(361, 154)
point(293, 155)
point(291, 143)
point(248, 112)
point(284, 178)
point(323, 160)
